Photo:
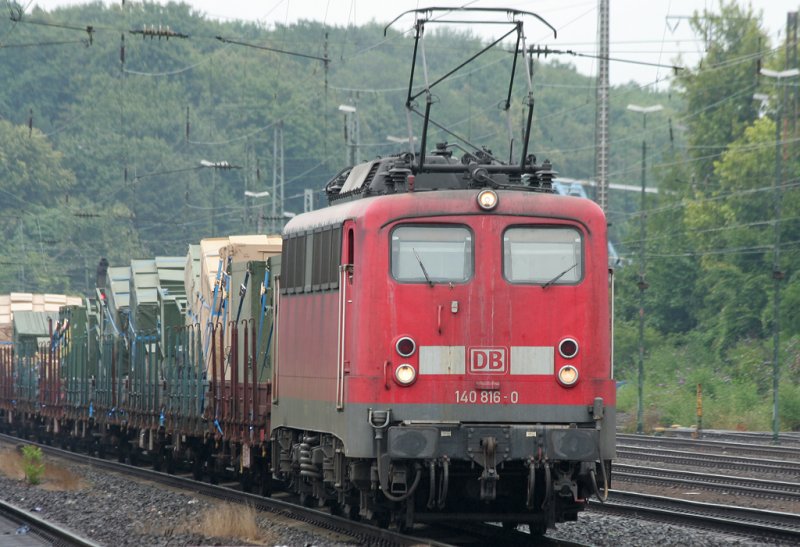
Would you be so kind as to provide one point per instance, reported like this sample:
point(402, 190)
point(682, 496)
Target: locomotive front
point(489, 339)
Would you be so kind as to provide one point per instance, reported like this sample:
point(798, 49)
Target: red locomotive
point(443, 344)
point(449, 357)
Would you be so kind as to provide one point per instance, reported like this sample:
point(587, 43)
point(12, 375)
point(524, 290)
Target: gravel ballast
point(118, 511)
point(114, 510)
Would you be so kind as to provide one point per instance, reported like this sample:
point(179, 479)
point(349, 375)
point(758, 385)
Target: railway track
point(467, 533)
point(791, 438)
point(361, 533)
point(754, 523)
point(789, 452)
point(720, 483)
point(705, 459)
point(20, 528)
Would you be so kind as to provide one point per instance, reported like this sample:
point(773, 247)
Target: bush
point(32, 464)
point(789, 406)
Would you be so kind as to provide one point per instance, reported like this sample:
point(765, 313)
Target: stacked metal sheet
point(20, 301)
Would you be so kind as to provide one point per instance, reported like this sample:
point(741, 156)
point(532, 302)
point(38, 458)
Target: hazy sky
point(641, 30)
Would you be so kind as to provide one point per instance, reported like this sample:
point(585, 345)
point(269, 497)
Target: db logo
point(488, 360)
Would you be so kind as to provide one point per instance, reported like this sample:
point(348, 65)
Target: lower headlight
point(405, 375)
point(568, 375)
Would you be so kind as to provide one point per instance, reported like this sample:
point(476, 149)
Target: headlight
point(567, 375)
point(487, 200)
point(405, 374)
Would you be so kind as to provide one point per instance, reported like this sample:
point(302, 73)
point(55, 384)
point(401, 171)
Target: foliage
point(719, 92)
point(32, 463)
point(712, 265)
point(732, 399)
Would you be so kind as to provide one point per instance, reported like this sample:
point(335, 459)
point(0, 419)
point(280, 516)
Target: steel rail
point(720, 446)
point(704, 459)
point(755, 523)
point(51, 533)
point(730, 484)
point(786, 438)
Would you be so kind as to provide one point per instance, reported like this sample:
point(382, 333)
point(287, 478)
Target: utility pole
point(254, 195)
point(352, 132)
point(22, 277)
point(644, 110)
point(86, 277)
point(215, 166)
point(601, 113)
point(791, 62)
point(308, 200)
point(277, 178)
point(777, 274)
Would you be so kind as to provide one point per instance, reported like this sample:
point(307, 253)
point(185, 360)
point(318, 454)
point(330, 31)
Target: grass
point(32, 464)
point(736, 385)
point(55, 478)
point(736, 395)
point(231, 522)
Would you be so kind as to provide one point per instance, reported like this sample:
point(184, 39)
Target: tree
point(719, 92)
point(33, 185)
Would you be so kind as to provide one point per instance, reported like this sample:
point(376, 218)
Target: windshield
point(431, 254)
point(547, 256)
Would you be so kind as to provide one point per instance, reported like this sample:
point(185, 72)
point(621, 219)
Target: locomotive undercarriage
point(535, 490)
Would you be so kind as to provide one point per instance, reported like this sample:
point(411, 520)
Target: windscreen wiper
point(559, 276)
point(422, 266)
